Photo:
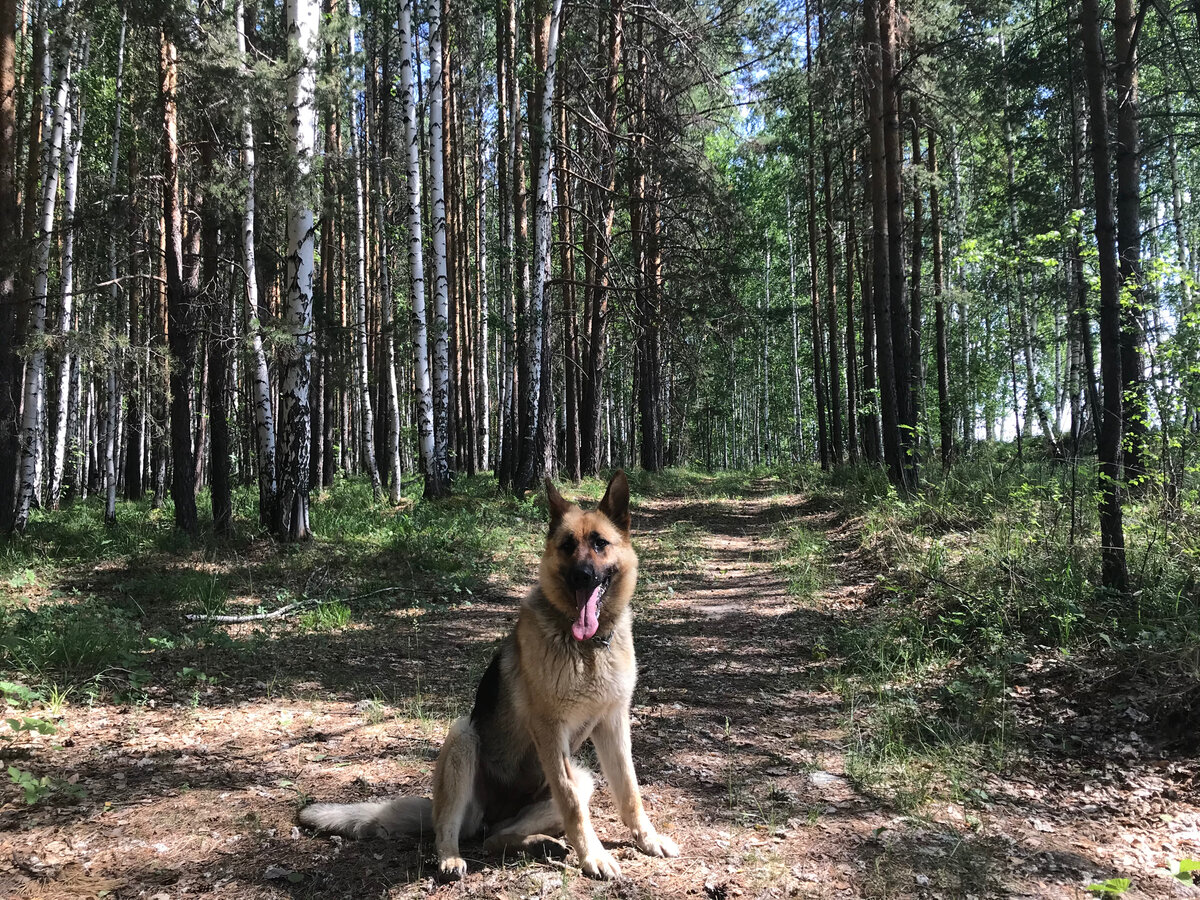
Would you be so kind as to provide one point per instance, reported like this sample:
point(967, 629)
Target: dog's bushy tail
point(411, 816)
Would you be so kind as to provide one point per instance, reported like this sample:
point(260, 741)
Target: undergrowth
point(982, 574)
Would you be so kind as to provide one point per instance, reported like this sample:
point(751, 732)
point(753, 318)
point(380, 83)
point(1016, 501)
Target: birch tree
point(72, 138)
point(295, 426)
point(441, 284)
point(531, 459)
point(9, 235)
point(366, 414)
point(416, 256)
point(53, 115)
point(260, 381)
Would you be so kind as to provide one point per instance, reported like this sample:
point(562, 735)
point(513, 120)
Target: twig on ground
point(283, 611)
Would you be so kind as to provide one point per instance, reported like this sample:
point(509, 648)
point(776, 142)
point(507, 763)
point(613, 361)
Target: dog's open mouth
point(587, 604)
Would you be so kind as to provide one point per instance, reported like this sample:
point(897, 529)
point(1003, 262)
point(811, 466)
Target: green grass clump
point(802, 559)
point(77, 639)
point(326, 617)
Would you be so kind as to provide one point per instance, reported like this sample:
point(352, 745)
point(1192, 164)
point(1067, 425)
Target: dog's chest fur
point(574, 681)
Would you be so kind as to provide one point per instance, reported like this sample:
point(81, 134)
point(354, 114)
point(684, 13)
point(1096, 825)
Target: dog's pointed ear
point(558, 506)
point(615, 504)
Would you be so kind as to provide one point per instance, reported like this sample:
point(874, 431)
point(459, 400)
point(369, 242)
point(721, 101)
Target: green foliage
point(1184, 870)
point(326, 617)
point(801, 558)
point(78, 639)
point(1111, 887)
point(37, 789)
point(983, 570)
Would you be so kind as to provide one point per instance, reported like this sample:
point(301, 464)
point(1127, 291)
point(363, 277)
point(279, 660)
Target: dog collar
point(603, 639)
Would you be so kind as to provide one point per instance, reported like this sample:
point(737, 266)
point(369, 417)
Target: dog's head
point(589, 568)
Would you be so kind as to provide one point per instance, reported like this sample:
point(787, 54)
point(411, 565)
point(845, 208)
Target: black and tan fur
point(565, 674)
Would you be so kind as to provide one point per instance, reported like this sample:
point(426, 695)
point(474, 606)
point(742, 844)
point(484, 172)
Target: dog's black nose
point(583, 577)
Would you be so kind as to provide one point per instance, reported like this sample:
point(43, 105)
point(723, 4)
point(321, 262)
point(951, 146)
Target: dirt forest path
point(742, 739)
point(748, 732)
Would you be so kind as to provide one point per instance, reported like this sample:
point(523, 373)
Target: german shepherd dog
point(565, 674)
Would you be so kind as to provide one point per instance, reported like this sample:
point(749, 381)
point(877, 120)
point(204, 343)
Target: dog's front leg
point(456, 810)
point(611, 739)
point(571, 794)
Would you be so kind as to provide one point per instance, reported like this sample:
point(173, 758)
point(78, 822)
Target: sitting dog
point(565, 674)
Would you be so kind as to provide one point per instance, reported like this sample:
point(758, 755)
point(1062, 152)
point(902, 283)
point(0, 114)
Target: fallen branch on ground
point(284, 611)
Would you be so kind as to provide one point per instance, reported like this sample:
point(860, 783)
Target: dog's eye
point(569, 544)
point(598, 543)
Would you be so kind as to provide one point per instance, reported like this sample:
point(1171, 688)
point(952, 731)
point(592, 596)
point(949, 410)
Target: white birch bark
point(72, 140)
point(416, 258)
point(114, 295)
point(296, 424)
point(388, 311)
point(53, 114)
point(264, 414)
point(366, 413)
point(441, 284)
point(531, 459)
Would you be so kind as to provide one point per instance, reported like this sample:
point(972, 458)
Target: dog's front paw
point(654, 844)
point(600, 864)
point(452, 868)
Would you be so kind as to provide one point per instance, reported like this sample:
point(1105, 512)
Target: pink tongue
point(589, 620)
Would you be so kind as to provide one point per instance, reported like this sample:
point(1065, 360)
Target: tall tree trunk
point(139, 325)
point(366, 414)
point(260, 379)
point(10, 237)
point(797, 405)
point(765, 442)
point(116, 307)
point(72, 138)
point(505, 351)
point(945, 423)
point(534, 436)
point(219, 353)
point(1112, 532)
point(851, 243)
point(591, 410)
point(891, 377)
point(900, 322)
point(416, 263)
point(1181, 247)
point(482, 391)
point(567, 262)
point(441, 306)
point(32, 450)
point(295, 424)
point(1129, 240)
point(181, 332)
point(833, 332)
point(813, 275)
point(916, 317)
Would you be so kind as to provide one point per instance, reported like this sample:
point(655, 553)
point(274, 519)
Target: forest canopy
point(281, 243)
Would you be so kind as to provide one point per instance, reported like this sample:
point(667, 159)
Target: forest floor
point(758, 747)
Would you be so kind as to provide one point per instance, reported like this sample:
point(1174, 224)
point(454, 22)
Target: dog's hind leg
point(456, 809)
point(535, 830)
